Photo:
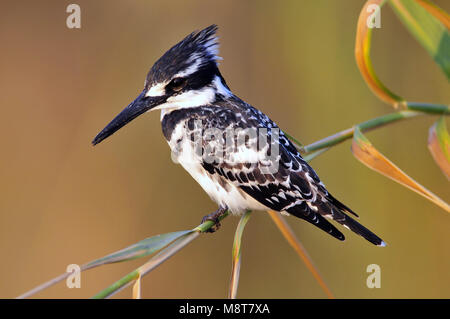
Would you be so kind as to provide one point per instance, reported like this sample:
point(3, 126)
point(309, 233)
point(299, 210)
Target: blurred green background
point(63, 201)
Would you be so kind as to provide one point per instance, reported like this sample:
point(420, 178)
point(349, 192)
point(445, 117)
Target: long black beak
point(139, 106)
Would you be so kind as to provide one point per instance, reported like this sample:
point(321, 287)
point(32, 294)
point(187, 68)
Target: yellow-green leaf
point(140, 249)
point(364, 151)
point(289, 235)
point(236, 255)
point(429, 25)
point(439, 145)
point(362, 55)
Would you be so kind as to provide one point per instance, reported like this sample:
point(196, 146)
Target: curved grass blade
point(143, 248)
point(362, 55)
point(156, 260)
point(236, 265)
point(429, 25)
point(367, 154)
point(289, 235)
point(437, 12)
point(132, 252)
point(439, 145)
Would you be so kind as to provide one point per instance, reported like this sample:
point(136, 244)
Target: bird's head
point(187, 75)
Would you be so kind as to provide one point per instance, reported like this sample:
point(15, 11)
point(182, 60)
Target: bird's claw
point(214, 217)
point(214, 227)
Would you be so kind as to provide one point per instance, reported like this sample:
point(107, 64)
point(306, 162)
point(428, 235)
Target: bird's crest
point(196, 51)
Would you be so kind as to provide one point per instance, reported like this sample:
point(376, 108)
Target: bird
point(199, 112)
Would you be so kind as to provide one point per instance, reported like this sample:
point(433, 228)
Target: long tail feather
point(331, 211)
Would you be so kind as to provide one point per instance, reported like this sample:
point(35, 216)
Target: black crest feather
point(199, 46)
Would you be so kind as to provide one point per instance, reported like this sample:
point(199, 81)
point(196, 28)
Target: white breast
point(222, 191)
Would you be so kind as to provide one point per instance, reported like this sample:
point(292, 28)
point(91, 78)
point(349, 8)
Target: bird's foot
point(214, 217)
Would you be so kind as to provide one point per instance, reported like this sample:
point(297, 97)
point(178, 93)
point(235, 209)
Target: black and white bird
point(188, 88)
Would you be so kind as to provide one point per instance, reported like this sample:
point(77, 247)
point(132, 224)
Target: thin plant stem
point(344, 135)
point(236, 256)
point(412, 109)
point(439, 109)
point(137, 288)
point(43, 286)
point(289, 235)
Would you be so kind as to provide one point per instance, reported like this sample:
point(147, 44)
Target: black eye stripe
point(195, 81)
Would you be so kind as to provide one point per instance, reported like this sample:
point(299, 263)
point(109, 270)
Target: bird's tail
point(334, 211)
point(359, 229)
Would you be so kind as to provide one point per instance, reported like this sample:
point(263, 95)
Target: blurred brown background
point(63, 201)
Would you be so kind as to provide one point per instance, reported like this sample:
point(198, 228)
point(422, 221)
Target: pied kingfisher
point(188, 88)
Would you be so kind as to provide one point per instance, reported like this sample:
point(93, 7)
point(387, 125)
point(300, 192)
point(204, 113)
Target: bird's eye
point(177, 84)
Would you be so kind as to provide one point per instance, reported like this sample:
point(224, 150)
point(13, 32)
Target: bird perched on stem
point(235, 152)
